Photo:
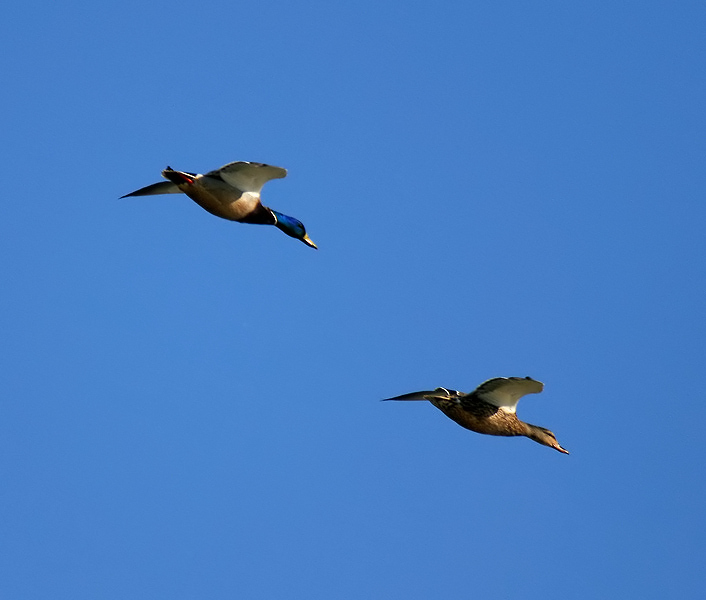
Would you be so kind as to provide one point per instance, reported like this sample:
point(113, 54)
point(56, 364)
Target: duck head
point(292, 227)
point(544, 436)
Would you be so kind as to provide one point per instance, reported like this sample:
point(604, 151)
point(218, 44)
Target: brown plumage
point(490, 408)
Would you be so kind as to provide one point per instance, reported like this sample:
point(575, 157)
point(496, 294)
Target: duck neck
point(538, 434)
point(542, 436)
point(287, 224)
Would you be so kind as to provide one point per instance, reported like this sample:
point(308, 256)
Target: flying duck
point(490, 408)
point(231, 192)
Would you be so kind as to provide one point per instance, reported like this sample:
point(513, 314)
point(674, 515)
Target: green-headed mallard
point(231, 192)
point(490, 408)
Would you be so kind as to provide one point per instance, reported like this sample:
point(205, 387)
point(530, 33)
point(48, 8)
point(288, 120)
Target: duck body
point(218, 197)
point(490, 408)
point(477, 415)
point(231, 192)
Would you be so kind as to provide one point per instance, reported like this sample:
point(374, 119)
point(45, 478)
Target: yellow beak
point(307, 240)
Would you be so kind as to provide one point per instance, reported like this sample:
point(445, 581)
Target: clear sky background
point(191, 407)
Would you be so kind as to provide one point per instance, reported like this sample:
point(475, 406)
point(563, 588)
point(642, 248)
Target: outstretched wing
point(163, 187)
point(504, 392)
point(248, 176)
point(426, 395)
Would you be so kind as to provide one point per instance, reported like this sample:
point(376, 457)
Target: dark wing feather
point(426, 395)
point(163, 187)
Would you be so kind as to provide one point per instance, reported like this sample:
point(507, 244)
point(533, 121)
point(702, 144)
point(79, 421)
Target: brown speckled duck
point(490, 408)
point(231, 192)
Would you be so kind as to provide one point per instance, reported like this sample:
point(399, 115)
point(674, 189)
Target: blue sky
point(191, 406)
